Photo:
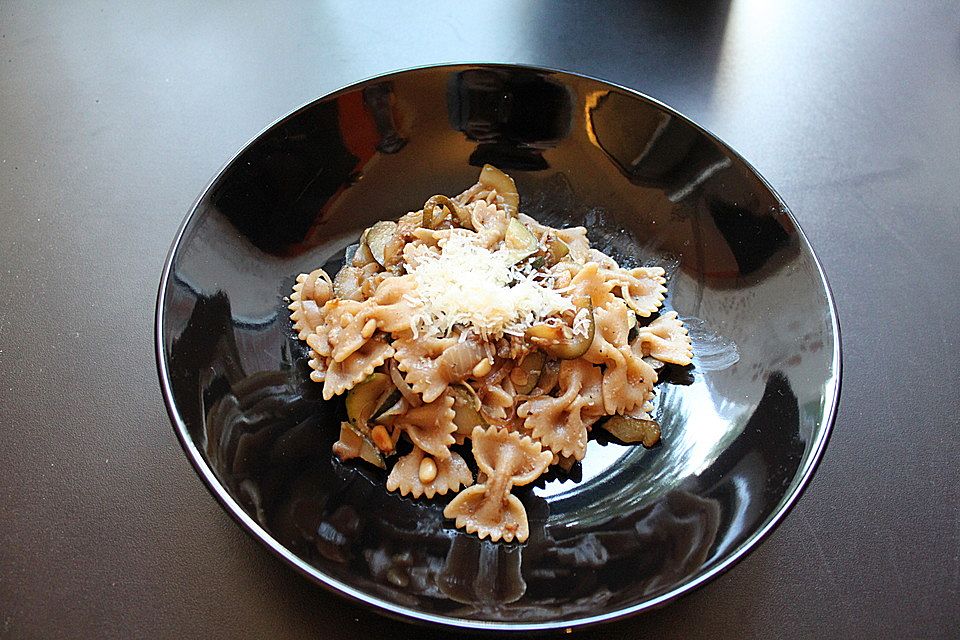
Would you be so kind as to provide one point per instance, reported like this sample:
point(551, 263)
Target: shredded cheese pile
point(468, 285)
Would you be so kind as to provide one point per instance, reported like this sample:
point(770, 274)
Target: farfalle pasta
point(467, 326)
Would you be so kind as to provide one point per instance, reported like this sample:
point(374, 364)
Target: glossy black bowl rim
point(407, 614)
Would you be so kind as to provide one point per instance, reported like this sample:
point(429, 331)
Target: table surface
point(113, 118)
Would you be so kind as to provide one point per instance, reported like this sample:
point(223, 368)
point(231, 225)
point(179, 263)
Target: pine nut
point(369, 328)
point(482, 368)
point(428, 470)
point(381, 438)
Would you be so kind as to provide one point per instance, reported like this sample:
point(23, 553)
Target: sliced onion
point(458, 361)
point(549, 377)
point(498, 373)
point(354, 444)
point(405, 389)
point(393, 409)
point(348, 446)
point(361, 255)
point(346, 285)
point(492, 419)
point(653, 362)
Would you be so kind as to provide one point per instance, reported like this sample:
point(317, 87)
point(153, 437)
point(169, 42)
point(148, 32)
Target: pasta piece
point(342, 331)
point(589, 281)
point(419, 359)
point(370, 284)
point(643, 411)
point(507, 459)
point(497, 399)
point(344, 375)
point(451, 474)
point(628, 387)
point(666, 339)
point(611, 322)
point(318, 365)
point(480, 192)
point(430, 426)
point(472, 194)
point(490, 223)
point(627, 378)
point(605, 261)
point(561, 423)
point(395, 306)
point(538, 229)
point(576, 239)
point(642, 289)
point(310, 293)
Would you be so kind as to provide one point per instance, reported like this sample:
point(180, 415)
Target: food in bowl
point(476, 348)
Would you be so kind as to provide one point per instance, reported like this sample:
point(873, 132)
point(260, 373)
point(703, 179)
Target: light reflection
point(589, 104)
point(750, 63)
point(749, 26)
point(598, 461)
point(739, 521)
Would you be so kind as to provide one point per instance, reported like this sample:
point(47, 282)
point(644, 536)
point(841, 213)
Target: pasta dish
point(477, 347)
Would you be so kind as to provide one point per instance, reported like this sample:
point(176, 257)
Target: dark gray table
point(113, 118)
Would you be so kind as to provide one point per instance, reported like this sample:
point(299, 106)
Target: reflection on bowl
point(743, 429)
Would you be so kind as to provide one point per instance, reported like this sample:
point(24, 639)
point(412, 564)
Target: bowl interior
point(742, 429)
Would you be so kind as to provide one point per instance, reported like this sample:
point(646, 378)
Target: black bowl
point(743, 429)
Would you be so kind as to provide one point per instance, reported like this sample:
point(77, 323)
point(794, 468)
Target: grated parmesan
point(466, 284)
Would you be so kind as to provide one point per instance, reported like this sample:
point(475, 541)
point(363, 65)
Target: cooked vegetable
point(360, 255)
point(653, 362)
point(557, 250)
point(378, 237)
point(519, 241)
point(466, 407)
point(633, 430)
point(527, 374)
point(432, 217)
point(405, 389)
point(493, 178)
point(354, 444)
point(395, 405)
point(346, 284)
point(368, 397)
point(562, 341)
point(549, 376)
point(459, 360)
point(350, 252)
